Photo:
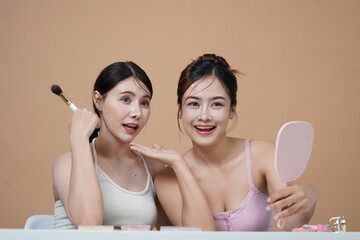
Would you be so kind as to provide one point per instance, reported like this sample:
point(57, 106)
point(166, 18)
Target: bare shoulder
point(262, 162)
point(62, 161)
point(262, 152)
point(261, 147)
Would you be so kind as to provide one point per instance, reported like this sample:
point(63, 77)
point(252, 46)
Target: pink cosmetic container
point(135, 227)
point(312, 228)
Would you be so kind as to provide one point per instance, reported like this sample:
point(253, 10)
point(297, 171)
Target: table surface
point(9, 234)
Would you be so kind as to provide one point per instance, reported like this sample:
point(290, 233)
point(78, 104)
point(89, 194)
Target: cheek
point(121, 110)
point(146, 114)
point(188, 114)
point(111, 108)
point(221, 115)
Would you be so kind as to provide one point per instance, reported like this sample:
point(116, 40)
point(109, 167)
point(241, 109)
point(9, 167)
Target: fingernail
point(268, 208)
point(280, 223)
point(268, 199)
point(276, 217)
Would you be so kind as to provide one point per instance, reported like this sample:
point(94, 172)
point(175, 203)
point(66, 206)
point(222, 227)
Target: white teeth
point(133, 126)
point(204, 128)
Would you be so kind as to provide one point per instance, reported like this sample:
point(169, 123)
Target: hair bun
point(215, 59)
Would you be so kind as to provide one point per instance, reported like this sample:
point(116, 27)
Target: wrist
point(78, 139)
point(179, 164)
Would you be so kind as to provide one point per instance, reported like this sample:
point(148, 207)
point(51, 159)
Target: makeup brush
point(57, 90)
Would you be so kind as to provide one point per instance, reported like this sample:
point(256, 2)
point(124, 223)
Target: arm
point(162, 219)
point(155, 167)
point(75, 180)
point(300, 198)
point(179, 193)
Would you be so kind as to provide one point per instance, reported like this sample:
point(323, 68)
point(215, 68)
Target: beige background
point(301, 58)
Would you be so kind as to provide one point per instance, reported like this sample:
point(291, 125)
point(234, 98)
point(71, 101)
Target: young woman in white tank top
point(104, 182)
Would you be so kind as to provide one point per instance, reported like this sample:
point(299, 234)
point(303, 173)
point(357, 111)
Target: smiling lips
point(131, 127)
point(205, 129)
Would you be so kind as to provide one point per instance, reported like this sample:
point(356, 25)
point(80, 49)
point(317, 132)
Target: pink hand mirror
point(292, 152)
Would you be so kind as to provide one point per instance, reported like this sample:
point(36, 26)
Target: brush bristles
point(56, 89)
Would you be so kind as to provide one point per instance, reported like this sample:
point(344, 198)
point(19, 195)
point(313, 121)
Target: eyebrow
point(212, 99)
point(133, 94)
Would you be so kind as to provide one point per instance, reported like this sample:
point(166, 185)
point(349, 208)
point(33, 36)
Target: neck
point(112, 148)
point(214, 154)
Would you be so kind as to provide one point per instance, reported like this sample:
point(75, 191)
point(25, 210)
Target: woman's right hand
point(166, 156)
point(83, 123)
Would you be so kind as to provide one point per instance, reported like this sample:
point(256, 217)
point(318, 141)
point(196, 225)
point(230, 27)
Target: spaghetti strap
point(94, 151)
point(248, 163)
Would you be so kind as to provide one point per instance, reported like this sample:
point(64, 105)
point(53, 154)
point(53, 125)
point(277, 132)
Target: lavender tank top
point(250, 215)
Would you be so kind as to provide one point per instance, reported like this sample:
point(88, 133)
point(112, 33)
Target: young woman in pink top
point(236, 187)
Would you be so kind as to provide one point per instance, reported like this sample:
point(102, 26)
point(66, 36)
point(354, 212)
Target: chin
point(126, 139)
point(204, 142)
point(208, 141)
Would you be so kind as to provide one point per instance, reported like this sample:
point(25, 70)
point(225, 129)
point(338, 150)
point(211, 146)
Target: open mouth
point(131, 128)
point(205, 130)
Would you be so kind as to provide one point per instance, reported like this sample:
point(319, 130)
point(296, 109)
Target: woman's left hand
point(291, 200)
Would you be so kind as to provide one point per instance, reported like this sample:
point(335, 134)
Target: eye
point(193, 104)
point(217, 104)
point(145, 103)
point(125, 99)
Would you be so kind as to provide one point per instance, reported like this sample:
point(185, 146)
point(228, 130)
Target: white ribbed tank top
point(121, 206)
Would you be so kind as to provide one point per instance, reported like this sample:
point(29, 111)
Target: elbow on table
point(87, 220)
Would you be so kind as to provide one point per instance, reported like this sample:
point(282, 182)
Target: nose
point(135, 111)
point(204, 114)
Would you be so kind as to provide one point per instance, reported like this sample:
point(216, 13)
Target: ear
point(180, 112)
point(232, 112)
point(97, 99)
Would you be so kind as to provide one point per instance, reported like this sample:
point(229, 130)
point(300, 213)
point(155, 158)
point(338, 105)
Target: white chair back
point(39, 222)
